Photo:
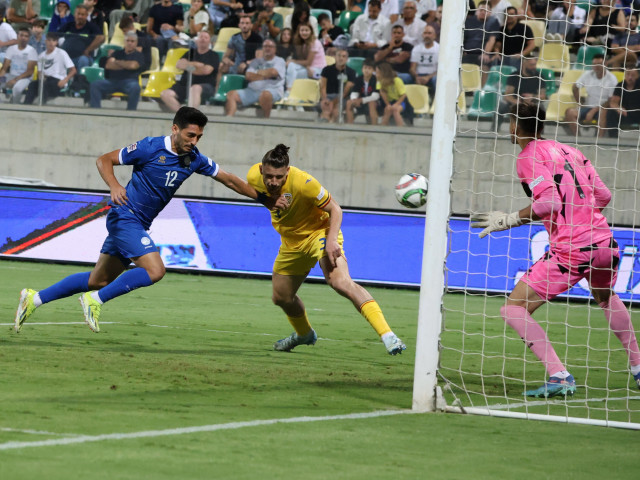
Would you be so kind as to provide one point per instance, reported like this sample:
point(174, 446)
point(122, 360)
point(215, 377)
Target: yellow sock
point(300, 324)
point(372, 312)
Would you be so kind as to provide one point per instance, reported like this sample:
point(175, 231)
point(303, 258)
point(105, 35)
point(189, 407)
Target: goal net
point(482, 365)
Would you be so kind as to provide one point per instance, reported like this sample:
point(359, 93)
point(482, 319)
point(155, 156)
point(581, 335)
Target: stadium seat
point(484, 106)
point(118, 35)
point(461, 103)
point(418, 96)
point(330, 60)
point(356, 64)
point(47, 8)
point(316, 12)
point(224, 35)
point(497, 78)
point(568, 80)
point(305, 92)
point(103, 51)
point(549, 78)
point(158, 81)
point(228, 82)
point(558, 105)
point(554, 56)
point(585, 55)
point(346, 19)
point(172, 57)
point(471, 77)
point(619, 75)
point(538, 27)
point(284, 11)
point(92, 73)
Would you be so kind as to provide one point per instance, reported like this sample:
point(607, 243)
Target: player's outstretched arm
point(105, 165)
point(335, 221)
point(498, 221)
point(240, 186)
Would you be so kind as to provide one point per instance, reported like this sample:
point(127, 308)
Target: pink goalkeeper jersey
point(549, 169)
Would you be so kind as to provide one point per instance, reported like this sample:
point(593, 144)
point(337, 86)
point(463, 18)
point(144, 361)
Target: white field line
point(38, 432)
point(188, 430)
point(536, 403)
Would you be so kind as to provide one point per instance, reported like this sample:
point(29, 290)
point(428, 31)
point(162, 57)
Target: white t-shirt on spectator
point(425, 6)
point(599, 90)
point(56, 63)
point(387, 8)
point(498, 11)
point(426, 59)
point(20, 59)
point(6, 33)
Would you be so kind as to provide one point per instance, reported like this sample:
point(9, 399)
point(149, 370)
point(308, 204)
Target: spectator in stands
point(121, 74)
point(334, 6)
point(266, 22)
point(138, 9)
point(565, 22)
point(22, 13)
point(8, 35)
point(58, 72)
point(81, 38)
point(369, 32)
point(516, 40)
point(624, 106)
point(393, 96)
point(397, 53)
point(424, 60)
point(165, 22)
point(144, 42)
point(301, 14)
point(195, 20)
point(205, 63)
point(331, 78)
point(600, 85)
point(413, 26)
point(389, 9)
point(527, 84)
point(308, 58)
point(221, 10)
point(37, 39)
point(481, 31)
point(107, 6)
point(498, 10)
point(364, 95)
point(625, 44)
point(18, 66)
point(241, 49)
point(94, 14)
point(284, 47)
point(355, 5)
point(603, 23)
point(427, 10)
point(266, 82)
point(437, 23)
point(330, 33)
point(61, 16)
point(537, 8)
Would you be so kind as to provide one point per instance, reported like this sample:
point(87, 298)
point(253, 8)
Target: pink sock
point(533, 336)
point(620, 322)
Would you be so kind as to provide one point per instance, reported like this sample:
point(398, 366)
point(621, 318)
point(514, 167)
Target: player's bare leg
point(340, 280)
point(522, 302)
point(285, 289)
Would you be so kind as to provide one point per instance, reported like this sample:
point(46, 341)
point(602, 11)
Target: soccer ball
point(411, 190)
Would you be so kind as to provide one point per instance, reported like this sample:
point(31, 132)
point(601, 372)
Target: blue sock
point(129, 280)
point(76, 283)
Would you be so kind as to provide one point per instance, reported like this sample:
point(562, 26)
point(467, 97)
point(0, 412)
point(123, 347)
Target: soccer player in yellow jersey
point(310, 232)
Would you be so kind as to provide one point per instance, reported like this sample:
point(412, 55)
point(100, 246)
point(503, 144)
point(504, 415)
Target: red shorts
point(556, 273)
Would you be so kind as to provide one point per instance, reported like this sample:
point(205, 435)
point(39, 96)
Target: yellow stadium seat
point(558, 105)
point(538, 28)
point(568, 80)
point(461, 103)
point(172, 57)
point(330, 60)
point(284, 11)
point(158, 81)
point(471, 77)
point(418, 96)
point(619, 75)
point(305, 92)
point(554, 56)
point(118, 35)
point(224, 35)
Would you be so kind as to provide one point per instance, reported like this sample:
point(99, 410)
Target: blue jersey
point(157, 173)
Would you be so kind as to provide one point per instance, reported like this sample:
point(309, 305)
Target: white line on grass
point(203, 428)
point(536, 403)
point(38, 432)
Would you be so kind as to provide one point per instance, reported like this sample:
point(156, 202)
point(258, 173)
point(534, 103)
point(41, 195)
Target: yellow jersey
point(306, 199)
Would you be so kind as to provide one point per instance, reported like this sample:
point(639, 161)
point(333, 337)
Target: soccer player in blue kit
point(160, 165)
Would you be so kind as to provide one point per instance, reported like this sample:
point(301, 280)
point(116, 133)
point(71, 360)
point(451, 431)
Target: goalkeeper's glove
point(495, 222)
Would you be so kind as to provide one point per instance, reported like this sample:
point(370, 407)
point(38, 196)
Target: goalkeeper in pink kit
point(568, 196)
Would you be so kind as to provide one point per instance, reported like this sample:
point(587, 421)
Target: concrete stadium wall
point(360, 168)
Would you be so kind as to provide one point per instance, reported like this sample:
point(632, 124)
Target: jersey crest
point(132, 147)
point(162, 159)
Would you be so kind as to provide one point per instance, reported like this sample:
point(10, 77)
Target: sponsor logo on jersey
point(321, 194)
point(132, 147)
point(145, 241)
point(536, 182)
point(288, 197)
point(162, 159)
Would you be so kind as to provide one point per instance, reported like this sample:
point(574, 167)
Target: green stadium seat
point(346, 19)
point(103, 52)
point(316, 12)
point(484, 106)
point(228, 82)
point(549, 78)
point(92, 73)
point(356, 64)
point(46, 8)
point(585, 55)
point(497, 78)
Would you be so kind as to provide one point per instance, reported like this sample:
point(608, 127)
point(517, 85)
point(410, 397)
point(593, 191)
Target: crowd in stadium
point(376, 58)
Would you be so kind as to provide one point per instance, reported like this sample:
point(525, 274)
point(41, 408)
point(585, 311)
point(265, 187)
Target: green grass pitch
point(195, 351)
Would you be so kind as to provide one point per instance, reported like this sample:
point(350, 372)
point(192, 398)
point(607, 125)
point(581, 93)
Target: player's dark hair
point(277, 157)
point(52, 36)
point(530, 117)
point(189, 116)
point(598, 55)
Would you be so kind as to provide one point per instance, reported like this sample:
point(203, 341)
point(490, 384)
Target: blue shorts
point(249, 96)
point(127, 238)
